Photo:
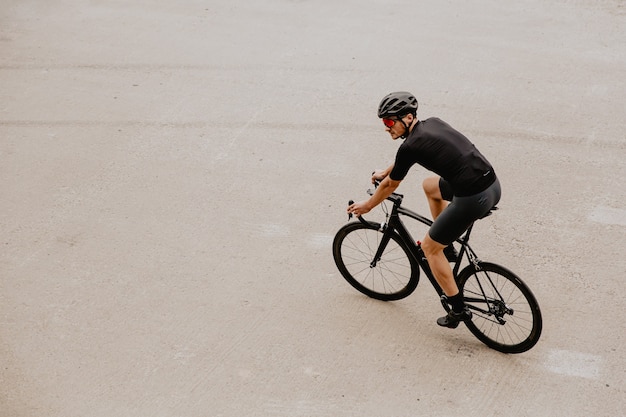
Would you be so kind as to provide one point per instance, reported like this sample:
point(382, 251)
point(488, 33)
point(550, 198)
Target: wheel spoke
point(505, 313)
point(393, 276)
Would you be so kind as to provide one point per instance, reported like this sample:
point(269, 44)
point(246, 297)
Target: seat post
point(467, 232)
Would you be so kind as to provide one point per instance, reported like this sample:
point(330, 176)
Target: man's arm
point(384, 190)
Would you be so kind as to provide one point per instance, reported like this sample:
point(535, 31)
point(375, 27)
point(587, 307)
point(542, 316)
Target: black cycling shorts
point(462, 211)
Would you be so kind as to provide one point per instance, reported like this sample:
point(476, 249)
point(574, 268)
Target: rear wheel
point(394, 276)
point(505, 314)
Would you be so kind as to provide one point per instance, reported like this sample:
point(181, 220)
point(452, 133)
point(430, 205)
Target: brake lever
point(351, 202)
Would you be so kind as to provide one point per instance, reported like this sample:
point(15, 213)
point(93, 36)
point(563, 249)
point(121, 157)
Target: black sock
point(457, 303)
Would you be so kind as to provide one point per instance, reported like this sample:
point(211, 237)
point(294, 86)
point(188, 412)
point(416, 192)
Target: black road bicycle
point(383, 261)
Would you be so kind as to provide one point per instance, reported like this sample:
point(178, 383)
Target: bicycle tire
point(505, 313)
point(395, 275)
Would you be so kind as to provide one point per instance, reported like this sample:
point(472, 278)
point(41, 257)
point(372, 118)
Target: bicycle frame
point(394, 224)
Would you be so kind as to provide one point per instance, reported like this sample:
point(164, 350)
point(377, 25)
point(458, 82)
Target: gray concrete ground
point(172, 175)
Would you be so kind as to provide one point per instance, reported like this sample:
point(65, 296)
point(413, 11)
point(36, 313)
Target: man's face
point(394, 126)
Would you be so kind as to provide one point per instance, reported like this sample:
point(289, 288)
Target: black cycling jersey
point(438, 147)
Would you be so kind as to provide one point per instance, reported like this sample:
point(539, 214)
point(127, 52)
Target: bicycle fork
point(383, 244)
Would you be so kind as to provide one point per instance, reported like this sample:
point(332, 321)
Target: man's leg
point(443, 274)
point(439, 266)
point(436, 203)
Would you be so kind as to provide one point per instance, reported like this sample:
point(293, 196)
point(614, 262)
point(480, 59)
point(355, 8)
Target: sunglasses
point(389, 122)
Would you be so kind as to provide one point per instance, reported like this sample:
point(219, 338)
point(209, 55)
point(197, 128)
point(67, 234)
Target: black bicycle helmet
point(397, 104)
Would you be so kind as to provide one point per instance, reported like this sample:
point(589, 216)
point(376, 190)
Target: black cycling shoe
point(452, 319)
point(451, 253)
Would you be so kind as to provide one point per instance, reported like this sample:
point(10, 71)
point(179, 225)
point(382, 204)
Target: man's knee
point(431, 187)
point(431, 247)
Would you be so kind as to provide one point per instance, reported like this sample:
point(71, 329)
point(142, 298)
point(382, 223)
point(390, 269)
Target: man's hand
point(379, 175)
point(387, 186)
point(362, 207)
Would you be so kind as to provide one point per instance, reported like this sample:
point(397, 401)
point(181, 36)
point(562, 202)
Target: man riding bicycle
point(464, 190)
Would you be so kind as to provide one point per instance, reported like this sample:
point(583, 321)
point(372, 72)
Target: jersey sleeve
point(402, 164)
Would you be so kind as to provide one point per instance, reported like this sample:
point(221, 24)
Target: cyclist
point(464, 189)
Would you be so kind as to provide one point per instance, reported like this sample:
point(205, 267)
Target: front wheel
point(505, 313)
point(392, 277)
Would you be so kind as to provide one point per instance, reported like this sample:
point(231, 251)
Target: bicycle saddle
point(490, 212)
